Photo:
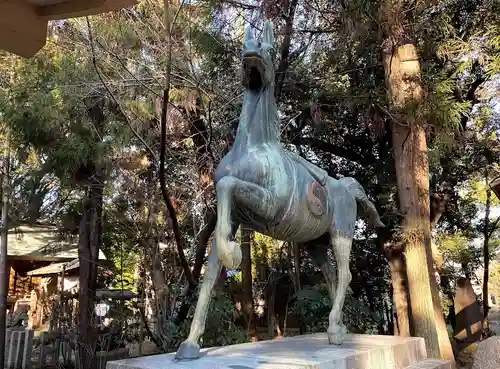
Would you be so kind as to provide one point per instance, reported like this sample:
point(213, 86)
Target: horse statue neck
point(259, 122)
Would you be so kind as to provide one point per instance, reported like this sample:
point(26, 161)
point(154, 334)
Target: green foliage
point(220, 329)
point(494, 282)
point(443, 109)
point(457, 248)
point(477, 192)
point(313, 306)
point(492, 45)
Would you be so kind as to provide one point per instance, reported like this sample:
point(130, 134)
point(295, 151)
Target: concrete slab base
point(301, 352)
point(431, 364)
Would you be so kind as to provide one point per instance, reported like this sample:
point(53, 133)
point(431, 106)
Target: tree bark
point(4, 268)
point(397, 267)
point(271, 301)
point(416, 234)
point(246, 274)
point(439, 201)
point(157, 272)
point(438, 206)
point(296, 262)
point(393, 251)
point(486, 242)
point(285, 48)
point(90, 237)
point(87, 280)
point(404, 86)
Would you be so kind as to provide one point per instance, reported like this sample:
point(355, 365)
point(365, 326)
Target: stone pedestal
point(301, 352)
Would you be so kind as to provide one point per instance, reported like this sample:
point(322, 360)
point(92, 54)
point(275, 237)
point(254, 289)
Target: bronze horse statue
point(277, 193)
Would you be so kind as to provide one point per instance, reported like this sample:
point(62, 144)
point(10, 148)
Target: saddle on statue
point(320, 175)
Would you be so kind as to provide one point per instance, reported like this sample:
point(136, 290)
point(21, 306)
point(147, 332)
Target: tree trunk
point(90, 237)
point(296, 262)
point(486, 251)
point(179, 239)
point(416, 235)
point(466, 270)
point(397, 266)
point(289, 15)
point(4, 268)
point(403, 82)
point(438, 206)
point(271, 301)
point(246, 274)
point(153, 258)
point(445, 283)
point(89, 241)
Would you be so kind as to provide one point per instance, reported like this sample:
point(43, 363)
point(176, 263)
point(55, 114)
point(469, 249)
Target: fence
point(18, 348)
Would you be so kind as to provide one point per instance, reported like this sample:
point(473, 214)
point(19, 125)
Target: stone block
point(488, 354)
point(469, 318)
point(103, 357)
point(431, 364)
point(299, 352)
point(146, 348)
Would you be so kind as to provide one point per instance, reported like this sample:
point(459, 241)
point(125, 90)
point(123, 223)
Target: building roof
point(42, 242)
point(56, 268)
point(23, 23)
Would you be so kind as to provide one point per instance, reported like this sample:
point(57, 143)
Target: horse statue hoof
point(188, 351)
point(232, 258)
point(336, 334)
point(236, 254)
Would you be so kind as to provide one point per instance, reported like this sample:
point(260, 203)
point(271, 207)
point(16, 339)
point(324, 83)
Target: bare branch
point(166, 197)
point(117, 103)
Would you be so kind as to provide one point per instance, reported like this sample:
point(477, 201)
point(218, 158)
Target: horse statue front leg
point(257, 199)
point(229, 251)
point(190, 349)
point(224, 251)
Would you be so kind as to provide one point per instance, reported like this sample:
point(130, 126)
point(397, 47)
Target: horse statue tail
point(367, 207)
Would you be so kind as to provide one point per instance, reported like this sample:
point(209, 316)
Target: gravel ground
point(494, 319)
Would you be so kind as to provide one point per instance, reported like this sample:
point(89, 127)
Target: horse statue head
point(258, 59)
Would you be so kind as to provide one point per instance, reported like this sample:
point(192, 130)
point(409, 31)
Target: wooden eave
point(23, 23)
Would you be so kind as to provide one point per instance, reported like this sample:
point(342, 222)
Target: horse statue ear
point(268, 33)
point(248, 34)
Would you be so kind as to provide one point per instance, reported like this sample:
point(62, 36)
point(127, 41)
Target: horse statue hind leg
point(341, 236)
point(345, 194)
